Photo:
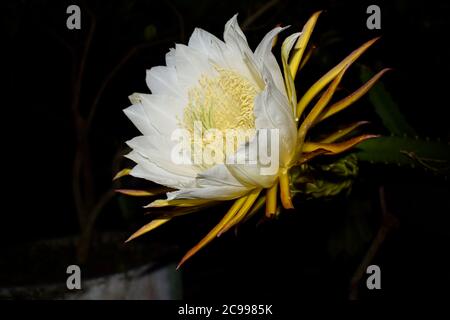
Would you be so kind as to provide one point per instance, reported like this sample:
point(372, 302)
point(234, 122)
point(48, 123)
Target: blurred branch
point(130, 53)
point(76, 79)
point(77, 194)
point(81, 68)
point(86, 234)
point(85, 238)
point(87, 207)
point(88, 210)
point(389, 222)
point(386, 108)
point(81, 153)
point(180, 20)
point(63, 42)
point(252, 18)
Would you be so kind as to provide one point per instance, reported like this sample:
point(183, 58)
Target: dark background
point(312, 252)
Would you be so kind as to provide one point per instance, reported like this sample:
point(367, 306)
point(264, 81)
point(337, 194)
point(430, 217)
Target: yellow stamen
point(224, 102)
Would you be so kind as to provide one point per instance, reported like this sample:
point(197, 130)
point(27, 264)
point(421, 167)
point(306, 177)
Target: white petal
point(147, 170)
point(210, 192)
point(139, 118)
point(265, 58)
point(240, 56)
point(234, 36)
point(190, 65)
point(163, 112)
point(246, 167)
point(272, 110)
point(209, 45)
point(170, 58)
point(158, 149)
point(163, 80)
point(218, 175)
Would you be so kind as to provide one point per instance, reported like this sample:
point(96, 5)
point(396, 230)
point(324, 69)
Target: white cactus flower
point(210, 88)
point(222, 85)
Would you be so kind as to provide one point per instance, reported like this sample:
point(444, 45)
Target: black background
point(311, 252)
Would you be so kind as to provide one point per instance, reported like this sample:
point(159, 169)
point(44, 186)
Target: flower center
point(224, 104)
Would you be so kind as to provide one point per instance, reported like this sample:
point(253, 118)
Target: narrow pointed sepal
point(353, 97)
point(137, 193)
point(122, 173)
point(251, 198)
point(301, 44)
point(177, 203)
point(213, 233)
point(330, 75)
point(342, 132)
point(148, 227)
point(336, 148)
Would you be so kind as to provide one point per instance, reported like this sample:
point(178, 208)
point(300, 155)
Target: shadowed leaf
point(307, 156)
point(386, 108)
point(406, 151)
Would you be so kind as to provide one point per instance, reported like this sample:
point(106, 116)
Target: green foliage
point(406, 151)
point(150, 32)
point(403, 147)
point(386, 108)
point(324, 180)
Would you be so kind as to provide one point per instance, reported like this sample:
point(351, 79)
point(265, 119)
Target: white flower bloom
point(222, 85)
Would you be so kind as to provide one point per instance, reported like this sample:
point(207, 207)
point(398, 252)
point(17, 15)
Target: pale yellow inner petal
point(222, 103)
